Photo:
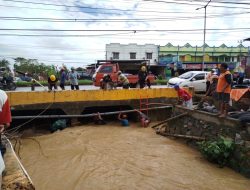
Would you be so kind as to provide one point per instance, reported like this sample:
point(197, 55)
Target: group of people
point(123, 118)
point(72, 76)
point(218, 87)
point(106, 82)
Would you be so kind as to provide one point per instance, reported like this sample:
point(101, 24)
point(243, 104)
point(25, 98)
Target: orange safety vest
point(222, 82)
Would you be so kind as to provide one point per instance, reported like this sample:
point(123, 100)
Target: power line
point(122, 10)
point(108, 13)
point(84, 7)
point(117, 30)
point(114, 20)
point(183, 3)
point(223, 2)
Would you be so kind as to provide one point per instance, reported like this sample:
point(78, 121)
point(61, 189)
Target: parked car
point(196, 79)
point(246, 84)
point(83, 75)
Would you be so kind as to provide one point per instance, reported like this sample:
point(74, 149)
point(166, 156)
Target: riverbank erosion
point(115, 157)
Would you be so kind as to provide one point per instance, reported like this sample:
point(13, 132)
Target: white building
point(117, 51)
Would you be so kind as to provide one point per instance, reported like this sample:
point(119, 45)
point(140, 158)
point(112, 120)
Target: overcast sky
point(124, 19)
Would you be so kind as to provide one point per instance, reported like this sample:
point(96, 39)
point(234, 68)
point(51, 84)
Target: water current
point(125, 158)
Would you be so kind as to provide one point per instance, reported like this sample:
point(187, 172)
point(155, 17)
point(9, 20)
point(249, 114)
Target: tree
point(4, 63)
point(33, 68)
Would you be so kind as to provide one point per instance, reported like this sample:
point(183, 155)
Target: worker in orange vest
point(224, 88)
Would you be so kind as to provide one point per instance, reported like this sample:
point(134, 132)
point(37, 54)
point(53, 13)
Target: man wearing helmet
point(106, 82)
point(52, 82)
point(142, 76)
point(123, 80)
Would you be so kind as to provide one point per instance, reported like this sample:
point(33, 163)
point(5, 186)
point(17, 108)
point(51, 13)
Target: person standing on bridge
point(5, 114)
point(52, 82)
point(185, 96)
point(142, 76)
point(63, 77)
point(123, 80)
point(73, 78)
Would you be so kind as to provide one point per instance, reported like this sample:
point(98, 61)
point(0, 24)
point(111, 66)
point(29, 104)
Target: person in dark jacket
point(106, 82)
point(52, 82)
point(63, 78)
point(142, 76)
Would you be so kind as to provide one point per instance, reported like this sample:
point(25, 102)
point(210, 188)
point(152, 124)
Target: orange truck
point(112, 69)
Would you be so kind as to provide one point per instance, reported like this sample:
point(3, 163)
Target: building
point(131, 57)
point(117, 51)
point(191, 57)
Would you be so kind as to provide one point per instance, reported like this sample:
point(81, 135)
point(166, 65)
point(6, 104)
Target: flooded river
point(114, 157)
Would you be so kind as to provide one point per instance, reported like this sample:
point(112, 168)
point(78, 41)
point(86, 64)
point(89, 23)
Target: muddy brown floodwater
point(114, 157)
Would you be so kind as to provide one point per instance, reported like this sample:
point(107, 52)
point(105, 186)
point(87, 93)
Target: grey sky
point(80, 51)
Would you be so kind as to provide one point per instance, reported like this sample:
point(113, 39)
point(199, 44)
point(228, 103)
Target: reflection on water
point(112, 157)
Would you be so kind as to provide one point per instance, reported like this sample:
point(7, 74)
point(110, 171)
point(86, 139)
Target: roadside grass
point(45, 83)
point(81, 82)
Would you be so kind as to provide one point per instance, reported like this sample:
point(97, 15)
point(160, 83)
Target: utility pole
point(204, 33)
point(240, 42)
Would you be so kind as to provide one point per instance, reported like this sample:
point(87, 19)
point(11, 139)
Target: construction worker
point(184, 96)
point(52, 82)
point(122, 79)
point(142, 76)
point(73, 78)
point(5, 114)
point(106, 82)
point(223, 89)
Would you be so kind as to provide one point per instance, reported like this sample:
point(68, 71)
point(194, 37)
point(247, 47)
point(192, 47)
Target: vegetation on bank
point(81, 82)
point(45, 83)
point(219, 151)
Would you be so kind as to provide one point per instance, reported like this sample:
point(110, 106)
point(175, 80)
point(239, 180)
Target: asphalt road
point(82, 87)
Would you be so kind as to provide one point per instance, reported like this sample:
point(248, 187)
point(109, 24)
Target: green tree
point(34, 68)
point(4, 63)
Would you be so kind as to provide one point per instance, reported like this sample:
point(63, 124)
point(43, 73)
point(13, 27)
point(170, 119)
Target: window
point(106, 69)
point(132, 55)
point(186, 75)
point(149, 55)
point(200, 77)
point(115, 55)
point(227, 59)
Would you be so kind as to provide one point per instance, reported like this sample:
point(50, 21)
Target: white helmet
point(119, 72)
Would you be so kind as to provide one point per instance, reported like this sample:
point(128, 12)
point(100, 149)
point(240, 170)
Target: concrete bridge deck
point(77, 102)
point(32, 98)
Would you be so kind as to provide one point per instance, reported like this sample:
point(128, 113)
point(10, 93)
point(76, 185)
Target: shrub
point(218, 151)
